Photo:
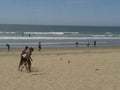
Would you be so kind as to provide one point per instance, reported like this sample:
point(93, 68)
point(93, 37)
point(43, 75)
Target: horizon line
point(66, 25)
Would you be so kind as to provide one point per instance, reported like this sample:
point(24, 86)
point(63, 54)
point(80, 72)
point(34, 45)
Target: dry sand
point(94, 68)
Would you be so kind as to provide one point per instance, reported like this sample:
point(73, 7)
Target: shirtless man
point(29, 59)
point(21, 56)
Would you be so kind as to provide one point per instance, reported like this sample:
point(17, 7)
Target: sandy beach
point(93, 68)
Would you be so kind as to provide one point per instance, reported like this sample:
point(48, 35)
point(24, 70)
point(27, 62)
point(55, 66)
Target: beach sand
point(93, 68)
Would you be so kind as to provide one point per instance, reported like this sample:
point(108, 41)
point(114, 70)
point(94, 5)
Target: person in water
point(8, 47)
point(39, 46)
point(94, 43)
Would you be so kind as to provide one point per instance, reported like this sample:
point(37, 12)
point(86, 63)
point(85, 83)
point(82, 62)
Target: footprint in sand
point(38, 74)
point(69, 61)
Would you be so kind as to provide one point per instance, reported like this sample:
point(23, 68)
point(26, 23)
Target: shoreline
point(63, 51)
point(65, 48)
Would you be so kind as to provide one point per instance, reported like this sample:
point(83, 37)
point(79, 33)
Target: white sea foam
point(57, 38)
point(102, 35)
point(41, 33)
point(8, 32)
point(58, 33)
point(52, 33)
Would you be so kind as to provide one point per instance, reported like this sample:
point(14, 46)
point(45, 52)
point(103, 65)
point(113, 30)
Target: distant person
point(39, 46)
point(8, 47)
point(76, 44)
point(94, 43)
point(29, 35)
point(88, 44)
point(21, 56)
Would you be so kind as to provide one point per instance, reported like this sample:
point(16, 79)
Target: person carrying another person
point(22, 57)
point(26, 60)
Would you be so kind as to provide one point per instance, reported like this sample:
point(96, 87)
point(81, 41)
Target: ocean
point(53, 36)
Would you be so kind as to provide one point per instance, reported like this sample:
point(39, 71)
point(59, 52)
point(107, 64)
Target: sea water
point(53, 36)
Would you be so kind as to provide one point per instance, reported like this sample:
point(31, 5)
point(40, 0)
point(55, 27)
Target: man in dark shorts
point(22, 56)
point(29, 59)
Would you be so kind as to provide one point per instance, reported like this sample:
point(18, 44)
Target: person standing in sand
point(21, 56)
point(28, 58)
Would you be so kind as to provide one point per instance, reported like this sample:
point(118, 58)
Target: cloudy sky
point(61, 12)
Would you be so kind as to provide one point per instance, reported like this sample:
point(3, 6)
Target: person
point(29, 35)
point(94, 43)
point(28, 58)
point(39, 46)
point(22, 57)
point(88, 44)
point(8, 47)
point(76, 44)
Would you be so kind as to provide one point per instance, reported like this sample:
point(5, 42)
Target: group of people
point(88, 44)
point(25, 59)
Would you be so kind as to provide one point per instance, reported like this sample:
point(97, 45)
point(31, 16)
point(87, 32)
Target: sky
point(61, 12)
